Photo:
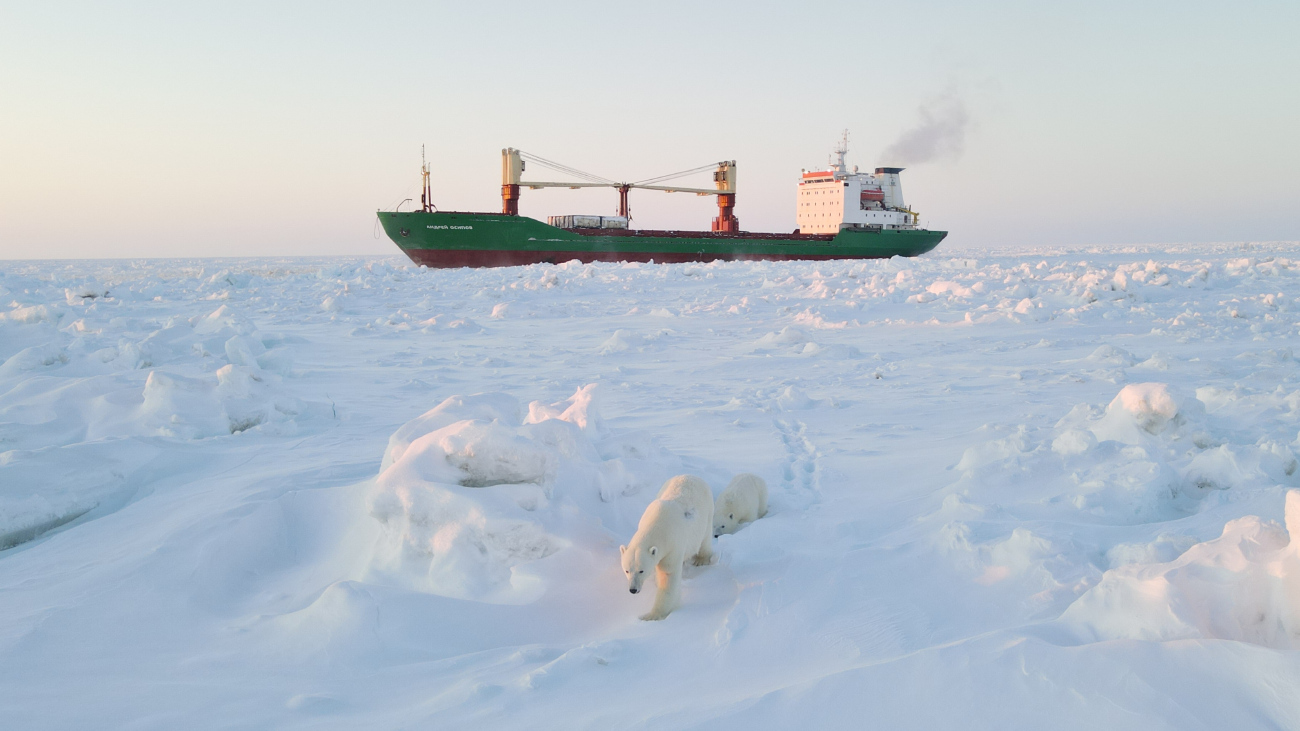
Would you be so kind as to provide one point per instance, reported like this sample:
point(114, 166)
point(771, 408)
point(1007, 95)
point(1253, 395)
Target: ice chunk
point(581, 409)
point(177, 406)
point(250, 398)
point(483, 407)
point(219, 320)
point(1138, 411)
point(243, 350)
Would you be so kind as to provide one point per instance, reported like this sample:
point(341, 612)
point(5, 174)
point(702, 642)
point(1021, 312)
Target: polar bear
point(744, 500)
point(675, 526)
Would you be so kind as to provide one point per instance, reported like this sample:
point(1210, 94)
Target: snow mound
point(788, 336)
point(1112, 356)
point(1243, 585)
point(30, 315)
point(35, 358)
point(471, 496)
point(623, 341)
point(237, 399)
point(794, 399)
point(1139, 407)
point(951, 288)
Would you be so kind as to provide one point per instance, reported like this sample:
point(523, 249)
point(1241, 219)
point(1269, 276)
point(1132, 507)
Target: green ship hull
point(447, 239)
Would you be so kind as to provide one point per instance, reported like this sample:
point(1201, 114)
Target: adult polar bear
point(678, 524)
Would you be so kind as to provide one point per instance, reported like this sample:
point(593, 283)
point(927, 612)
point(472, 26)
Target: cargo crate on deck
point(587, 221)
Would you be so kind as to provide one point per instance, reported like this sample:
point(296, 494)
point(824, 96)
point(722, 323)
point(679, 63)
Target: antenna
point(840, 151)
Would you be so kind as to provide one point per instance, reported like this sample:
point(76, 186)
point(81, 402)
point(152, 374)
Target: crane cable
point(673, 176)
point(593, 178)
point(559, 167)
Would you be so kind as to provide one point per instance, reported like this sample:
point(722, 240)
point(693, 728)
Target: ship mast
point(840, 151)
point(426, 193)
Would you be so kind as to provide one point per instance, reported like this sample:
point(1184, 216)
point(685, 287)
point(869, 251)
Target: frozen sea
point(1030, 489)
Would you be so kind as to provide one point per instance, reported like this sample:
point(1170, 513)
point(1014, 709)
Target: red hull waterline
point(453, 259)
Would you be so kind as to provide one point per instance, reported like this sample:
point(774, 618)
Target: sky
point(277, 128)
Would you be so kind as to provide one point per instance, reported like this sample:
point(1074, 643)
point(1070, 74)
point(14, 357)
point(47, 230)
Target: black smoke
point(939, 134)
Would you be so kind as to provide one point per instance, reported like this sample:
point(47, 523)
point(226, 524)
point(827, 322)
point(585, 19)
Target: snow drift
point(1243, 585)
point(1154, 453)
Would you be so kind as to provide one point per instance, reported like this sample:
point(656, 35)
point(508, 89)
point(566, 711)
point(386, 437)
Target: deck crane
point(724, 180)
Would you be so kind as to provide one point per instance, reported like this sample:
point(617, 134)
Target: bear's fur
point(744, 500)
point(676, 526)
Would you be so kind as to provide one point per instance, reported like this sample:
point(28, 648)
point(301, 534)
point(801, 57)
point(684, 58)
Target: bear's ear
point(654, 550)
point(622, 550)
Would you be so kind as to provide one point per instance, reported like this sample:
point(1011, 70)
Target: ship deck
point(660, 234)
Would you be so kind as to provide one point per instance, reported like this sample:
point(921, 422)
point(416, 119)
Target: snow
point(1243, 586)
point(1007, 490)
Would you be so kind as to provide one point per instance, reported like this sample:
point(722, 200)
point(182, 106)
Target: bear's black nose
point(632, 590)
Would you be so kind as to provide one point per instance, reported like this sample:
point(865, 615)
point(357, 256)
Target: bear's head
point(637, 563)
point(724, 523)
point(724, 517)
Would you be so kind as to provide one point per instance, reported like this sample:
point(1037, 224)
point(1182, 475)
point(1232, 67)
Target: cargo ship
point(841, 214)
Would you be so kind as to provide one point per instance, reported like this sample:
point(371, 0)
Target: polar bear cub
point(676, 526)
point(744, 500)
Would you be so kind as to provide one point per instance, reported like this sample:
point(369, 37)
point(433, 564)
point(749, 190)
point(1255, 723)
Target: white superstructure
point(836, 198)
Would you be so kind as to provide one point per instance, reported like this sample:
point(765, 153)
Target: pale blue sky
point(186, 129)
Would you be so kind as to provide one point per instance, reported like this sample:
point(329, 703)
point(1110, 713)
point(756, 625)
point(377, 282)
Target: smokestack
point(891, 187)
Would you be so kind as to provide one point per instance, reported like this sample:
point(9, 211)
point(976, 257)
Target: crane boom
point(724, 180)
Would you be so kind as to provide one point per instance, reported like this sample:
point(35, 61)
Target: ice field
point(1043, 489)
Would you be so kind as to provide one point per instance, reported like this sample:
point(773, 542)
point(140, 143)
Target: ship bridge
point(836, 198)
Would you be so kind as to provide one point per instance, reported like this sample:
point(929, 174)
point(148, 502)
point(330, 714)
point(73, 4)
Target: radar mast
point(840, 151)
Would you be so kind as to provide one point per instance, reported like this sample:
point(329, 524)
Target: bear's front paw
point(653, 616)
point(702, 560)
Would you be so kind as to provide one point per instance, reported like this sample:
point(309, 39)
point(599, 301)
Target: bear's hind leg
point(762, 505)
point(668, 597)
